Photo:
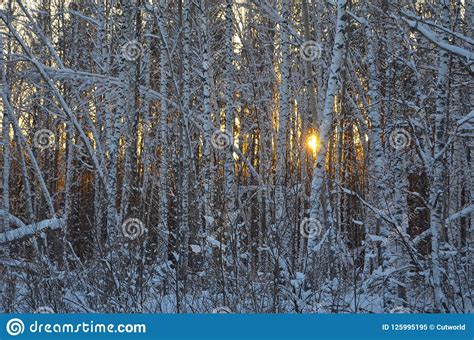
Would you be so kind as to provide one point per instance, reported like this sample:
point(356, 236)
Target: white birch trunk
point(284, 109)
point(207, 198)
point(229, 111)
point(319, 205)
point(437, 189)
point(5, 144)
point(163, 125)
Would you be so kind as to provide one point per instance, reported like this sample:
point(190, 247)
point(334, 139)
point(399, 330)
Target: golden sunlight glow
point(313, 142)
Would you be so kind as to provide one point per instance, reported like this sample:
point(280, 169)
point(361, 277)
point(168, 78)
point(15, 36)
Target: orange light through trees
point(313, 142)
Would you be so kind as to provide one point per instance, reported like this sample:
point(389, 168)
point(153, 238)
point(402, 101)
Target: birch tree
point(157, 156)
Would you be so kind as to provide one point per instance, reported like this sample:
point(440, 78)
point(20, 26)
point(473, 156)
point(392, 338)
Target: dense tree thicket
point(236, 156)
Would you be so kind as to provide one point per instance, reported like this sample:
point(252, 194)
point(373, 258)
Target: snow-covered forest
point(236, 156)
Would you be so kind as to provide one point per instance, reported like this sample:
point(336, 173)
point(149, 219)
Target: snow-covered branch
point(29, 230)
point(460, 214)
point(434, 38)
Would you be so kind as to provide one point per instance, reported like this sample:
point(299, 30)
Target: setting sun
point(313, 142)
